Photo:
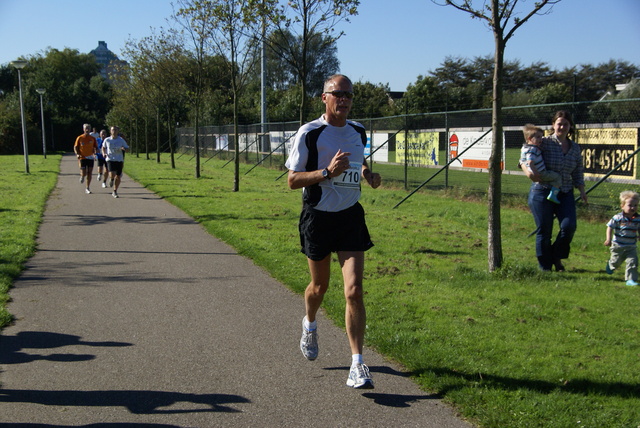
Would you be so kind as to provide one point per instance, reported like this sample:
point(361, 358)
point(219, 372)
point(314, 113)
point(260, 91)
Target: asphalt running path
point(130, 314)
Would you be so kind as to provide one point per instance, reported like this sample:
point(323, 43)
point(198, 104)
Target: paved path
point(130, 314)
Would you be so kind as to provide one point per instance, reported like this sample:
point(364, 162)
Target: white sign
point(277, 138)
point(478, 155)
point(381, 152)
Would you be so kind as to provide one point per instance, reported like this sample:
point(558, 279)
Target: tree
point(425, 95)
point(311, 23)
point(230, 29)
point(551, 93)
point(10, 130)
point(503, 19)
point(235, 37)
point(156, 65)
point(371, 101)
point(196, 22)
point(322, 61)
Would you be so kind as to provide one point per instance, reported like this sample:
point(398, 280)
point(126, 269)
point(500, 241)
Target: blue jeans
point(543, 211)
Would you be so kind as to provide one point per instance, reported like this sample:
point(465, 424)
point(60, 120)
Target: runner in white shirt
point(113, 149)
point(327, 162)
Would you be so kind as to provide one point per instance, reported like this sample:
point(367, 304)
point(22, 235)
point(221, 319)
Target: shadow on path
point(137, 402)
point(100, 425)
point(11, 347)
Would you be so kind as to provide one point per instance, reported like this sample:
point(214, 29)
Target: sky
point(389, 41)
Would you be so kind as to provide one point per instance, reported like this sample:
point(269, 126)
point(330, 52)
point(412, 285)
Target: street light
point(42, 91)
point(19, 65)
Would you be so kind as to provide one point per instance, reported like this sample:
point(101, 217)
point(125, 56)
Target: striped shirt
point(532, 153)
point(625, 230)
point(569, 165)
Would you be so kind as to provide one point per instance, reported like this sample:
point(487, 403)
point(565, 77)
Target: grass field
point(21, 206)
point(514, 348)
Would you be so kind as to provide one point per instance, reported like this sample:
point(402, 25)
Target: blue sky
point(389, 41)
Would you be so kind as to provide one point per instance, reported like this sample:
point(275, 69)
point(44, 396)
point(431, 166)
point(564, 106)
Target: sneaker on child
point(608, 269)
point(553, 195)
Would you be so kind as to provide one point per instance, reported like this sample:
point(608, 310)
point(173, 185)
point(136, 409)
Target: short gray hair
point(332, 78)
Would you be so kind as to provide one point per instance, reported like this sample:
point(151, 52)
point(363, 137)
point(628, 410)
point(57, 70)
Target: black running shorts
point(86, 163)
point(115, 167)
point(322, 233)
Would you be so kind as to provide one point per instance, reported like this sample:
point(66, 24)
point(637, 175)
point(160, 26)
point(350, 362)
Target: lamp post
point(42, 91)
point(19, 65)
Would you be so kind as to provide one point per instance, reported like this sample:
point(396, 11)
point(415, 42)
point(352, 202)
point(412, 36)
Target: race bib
point(350, 178)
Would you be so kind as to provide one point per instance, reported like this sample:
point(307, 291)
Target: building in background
point(109, 62)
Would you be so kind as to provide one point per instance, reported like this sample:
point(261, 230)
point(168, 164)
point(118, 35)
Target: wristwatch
point(325, 174)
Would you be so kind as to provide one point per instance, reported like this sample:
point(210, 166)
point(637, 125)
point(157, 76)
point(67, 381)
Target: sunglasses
point(341, 94)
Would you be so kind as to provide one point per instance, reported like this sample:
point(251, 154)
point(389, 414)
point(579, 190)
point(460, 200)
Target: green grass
point(22, 201)
point(514, 348)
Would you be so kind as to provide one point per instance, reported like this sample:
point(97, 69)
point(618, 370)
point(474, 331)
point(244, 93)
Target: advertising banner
point(604, 148)
point(421, 148)
point(277, 138)
point(478, 155)
point(222, 142)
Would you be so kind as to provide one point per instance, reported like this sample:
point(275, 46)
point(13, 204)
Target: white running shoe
point(87, 191)
point(111, 183)
point(81, 179)
point(104, 185)
point(309, 343)
point(114, 194)
point(359, 377)
point(99, 177)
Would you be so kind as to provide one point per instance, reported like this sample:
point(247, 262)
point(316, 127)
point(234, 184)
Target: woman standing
point(562, 155)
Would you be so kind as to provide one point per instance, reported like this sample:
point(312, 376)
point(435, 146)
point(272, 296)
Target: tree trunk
point(171, 131)
point(236, 174)
point(303, 102)
point(494, 239)
point(158, 140)
point(196, 139)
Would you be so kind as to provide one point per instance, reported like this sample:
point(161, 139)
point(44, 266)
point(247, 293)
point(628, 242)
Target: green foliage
point(304, 38)
point(551, 93)
point(285, 56)
point(76, 94)
point(10, 124)
point(371, 101)
point(464, 84)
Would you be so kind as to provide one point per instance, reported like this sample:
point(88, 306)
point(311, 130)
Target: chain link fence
point(451, 149)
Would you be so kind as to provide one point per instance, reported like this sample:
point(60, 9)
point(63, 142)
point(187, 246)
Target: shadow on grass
point(438, 252)
point(575, 386)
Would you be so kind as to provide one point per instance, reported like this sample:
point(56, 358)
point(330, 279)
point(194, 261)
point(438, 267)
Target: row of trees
point(466, 84)
point(157, 85)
